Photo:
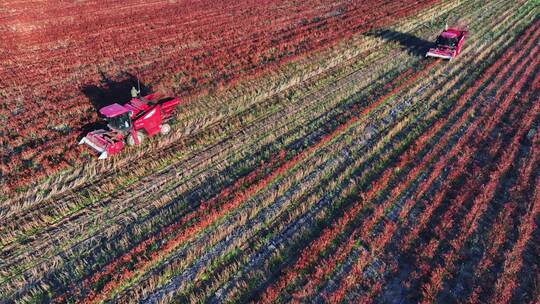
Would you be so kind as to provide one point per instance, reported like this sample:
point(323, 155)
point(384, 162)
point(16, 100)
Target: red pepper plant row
point(381, 177)
point(51, 54)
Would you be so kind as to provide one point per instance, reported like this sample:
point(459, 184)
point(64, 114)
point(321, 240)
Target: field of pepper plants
point(317, 157)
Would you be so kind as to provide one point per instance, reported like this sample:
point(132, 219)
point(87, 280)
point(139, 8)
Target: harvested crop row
point(325, 139)
point(438, 275)
point(365, 197)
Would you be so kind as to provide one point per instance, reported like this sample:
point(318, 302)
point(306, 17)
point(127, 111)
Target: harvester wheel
point(131, 140)
point(165, 129)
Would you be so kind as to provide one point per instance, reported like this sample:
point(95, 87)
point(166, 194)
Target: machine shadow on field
point(107, 92)
point(412, 44)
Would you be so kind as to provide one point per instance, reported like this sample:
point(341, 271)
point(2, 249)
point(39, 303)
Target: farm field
point(317, 157)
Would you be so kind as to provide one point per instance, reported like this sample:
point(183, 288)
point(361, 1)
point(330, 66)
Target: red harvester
point(140, 117)
point(448, 44)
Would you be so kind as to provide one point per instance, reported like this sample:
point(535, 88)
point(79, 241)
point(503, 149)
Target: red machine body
point(140, 117)
point(448, 44)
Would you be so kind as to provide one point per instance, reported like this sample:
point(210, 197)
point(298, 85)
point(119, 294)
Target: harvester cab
point(131, 123)
point(117, 117)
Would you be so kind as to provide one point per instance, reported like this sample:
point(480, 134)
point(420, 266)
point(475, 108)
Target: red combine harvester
point(142, 116)
point(448, 44)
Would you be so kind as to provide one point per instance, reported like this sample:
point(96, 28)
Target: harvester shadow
point(113, 91)
point(107, 92)
point(413, 45)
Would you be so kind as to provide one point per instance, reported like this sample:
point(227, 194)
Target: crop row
point(309, 255)
point(244, 285)
point(184, 278)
